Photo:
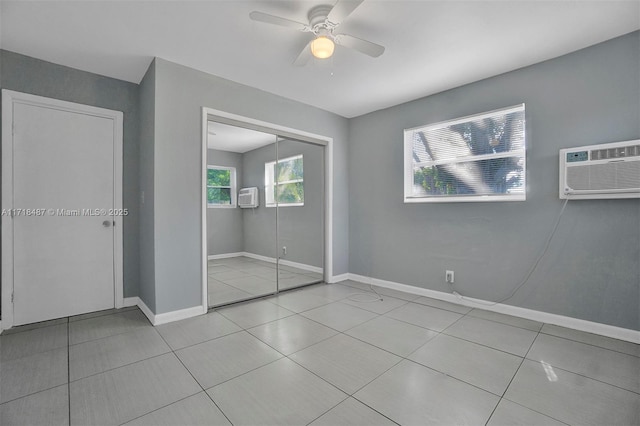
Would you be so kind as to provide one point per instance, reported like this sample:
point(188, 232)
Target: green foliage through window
point(220, 186)
point(284, 181)
point(218, 177)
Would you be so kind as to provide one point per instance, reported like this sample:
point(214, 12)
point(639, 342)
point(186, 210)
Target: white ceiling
point(236, 139)
point(431, 45)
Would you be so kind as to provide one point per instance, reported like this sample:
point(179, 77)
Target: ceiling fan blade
point(364, 46)
point(304, 56)
point(342, 9)
point(276, 20)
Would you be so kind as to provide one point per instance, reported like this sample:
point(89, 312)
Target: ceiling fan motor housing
point(318, 19)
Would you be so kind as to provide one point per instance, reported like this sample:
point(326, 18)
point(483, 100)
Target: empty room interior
point(342, 212)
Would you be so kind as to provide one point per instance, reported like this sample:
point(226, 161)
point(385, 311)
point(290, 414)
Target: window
point(476, 158)
point(284, 182)
point(221, 186)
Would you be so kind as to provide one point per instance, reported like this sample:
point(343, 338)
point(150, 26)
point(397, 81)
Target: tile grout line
point(538, 331)
point(438, 333)
point(98, 314)
point(592, 344)
point(577, 373)
point(535, 411)
point(349, 395)
point(259, 325)
point(172, 351)
point(514, 376)
point(247, 372)
point(120, 366)
point(327, 382)
point(130, 330)
point(448, 326)
point(402, 358)
point(587, 377)
point(18, 329)
point(135, 327)
point(406, 358)
point(264, 296)
point(301, 349)
point(371, 408)
point(33, 393)
point(344, 332)
point(487, 346)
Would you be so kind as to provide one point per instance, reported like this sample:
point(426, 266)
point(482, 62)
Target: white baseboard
point(146, 311)
point(179, 315)
point(285, 262)
point(302, 266)
point(157, 319)
point(544, 317)
point(338, 278)
point(224, 255)
point(130, 301)
point(259, 257)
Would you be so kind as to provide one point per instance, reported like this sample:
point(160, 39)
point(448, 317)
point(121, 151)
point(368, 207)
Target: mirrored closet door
point(265, 213)
point(241, 236)
point(299, 196)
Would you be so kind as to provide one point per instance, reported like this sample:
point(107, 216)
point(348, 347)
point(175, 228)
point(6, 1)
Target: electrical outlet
point(284, 250)
point(448, 276)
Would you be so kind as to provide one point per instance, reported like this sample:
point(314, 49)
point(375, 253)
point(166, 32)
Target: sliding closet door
point(297, 189)
point(241, 228)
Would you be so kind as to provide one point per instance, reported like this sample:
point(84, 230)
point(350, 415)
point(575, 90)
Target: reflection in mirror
point(241, 242)
point(295, 184)
point(265, 213)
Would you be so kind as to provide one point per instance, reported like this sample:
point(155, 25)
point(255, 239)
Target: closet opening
point(264, 209)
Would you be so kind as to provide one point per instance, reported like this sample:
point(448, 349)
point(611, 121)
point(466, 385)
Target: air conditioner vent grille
point(604, 171)
point(248, 198)
point(604, 176)
point(619, 152)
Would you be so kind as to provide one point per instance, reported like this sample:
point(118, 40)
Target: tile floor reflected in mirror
point(240, 278)
point(320, 355)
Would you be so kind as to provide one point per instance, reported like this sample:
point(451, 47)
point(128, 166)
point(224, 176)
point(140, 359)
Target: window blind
point(474, 158)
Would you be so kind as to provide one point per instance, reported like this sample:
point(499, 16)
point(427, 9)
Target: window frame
point(409, 163)
point(233, 187)
point(269, 166)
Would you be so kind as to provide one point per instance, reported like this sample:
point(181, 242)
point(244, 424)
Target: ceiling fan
point(323, 21)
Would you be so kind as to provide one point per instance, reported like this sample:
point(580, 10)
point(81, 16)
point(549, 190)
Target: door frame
point(9, 98)
point(278, 130)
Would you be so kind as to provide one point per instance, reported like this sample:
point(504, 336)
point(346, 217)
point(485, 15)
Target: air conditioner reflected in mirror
point(248, 198)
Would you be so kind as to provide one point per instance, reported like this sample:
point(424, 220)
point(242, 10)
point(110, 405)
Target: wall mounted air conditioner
point(609, 170)
point(248, 198)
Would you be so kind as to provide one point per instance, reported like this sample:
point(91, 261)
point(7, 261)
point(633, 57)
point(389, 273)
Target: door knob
point(106, 223)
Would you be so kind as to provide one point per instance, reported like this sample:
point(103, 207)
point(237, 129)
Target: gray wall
point(34, 76)
point(259, 224)
point(225, 231)
point(300, 228)
point(590, 271)
point(180, 94)
point(147, 186)
point(591, 268)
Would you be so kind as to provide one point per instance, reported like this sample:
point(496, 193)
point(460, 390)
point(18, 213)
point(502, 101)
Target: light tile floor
point(322, 355)
point(240, 278)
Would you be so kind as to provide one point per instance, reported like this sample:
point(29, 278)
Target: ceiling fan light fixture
point(322, 47)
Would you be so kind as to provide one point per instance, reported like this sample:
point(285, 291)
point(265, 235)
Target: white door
point(63, 212)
